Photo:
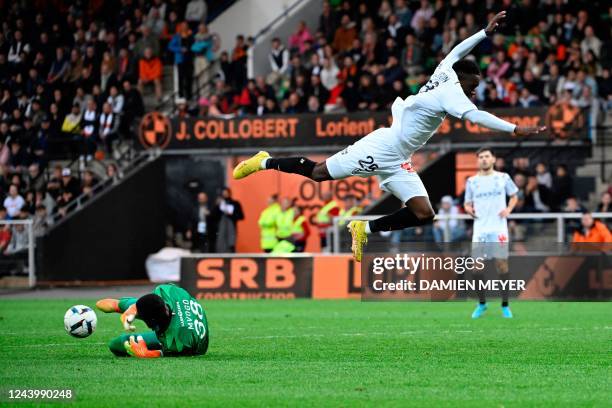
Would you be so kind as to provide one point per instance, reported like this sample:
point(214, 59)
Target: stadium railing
point(335, 234)
point(15, 259)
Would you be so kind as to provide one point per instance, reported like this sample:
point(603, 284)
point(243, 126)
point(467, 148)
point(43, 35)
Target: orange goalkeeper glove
point(128, 317)
point(138, 348)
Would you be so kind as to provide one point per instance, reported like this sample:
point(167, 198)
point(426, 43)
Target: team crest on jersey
point(502, 238)
point(408, 167)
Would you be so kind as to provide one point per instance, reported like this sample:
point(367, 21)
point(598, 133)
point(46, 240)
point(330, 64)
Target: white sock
point(367, 228)
point(263, 163)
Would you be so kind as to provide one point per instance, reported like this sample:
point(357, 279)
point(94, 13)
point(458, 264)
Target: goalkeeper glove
point(138, 348)
point(128, 317)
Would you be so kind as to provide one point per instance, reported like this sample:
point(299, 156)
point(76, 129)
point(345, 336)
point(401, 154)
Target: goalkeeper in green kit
point(177, 319)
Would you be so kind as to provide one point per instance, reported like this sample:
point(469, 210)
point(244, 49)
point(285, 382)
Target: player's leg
point(408, 187)
point(295, 165)
point(481, 249)
point(117, 345)
point(115, 305)
point(299, 165)
point(503, 274)
point(481, 307)
point(417, 212)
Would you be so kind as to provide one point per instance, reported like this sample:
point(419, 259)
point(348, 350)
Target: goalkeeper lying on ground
point(177, 319)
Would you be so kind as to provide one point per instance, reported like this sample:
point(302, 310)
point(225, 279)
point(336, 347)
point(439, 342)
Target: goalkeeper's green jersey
point(188, 330)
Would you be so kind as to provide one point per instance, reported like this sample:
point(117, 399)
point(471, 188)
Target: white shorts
point(375, 155)
point(490, 245)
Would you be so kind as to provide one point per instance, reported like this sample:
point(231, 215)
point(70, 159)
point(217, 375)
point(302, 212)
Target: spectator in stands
point(35, 179)
point(89, 129)
point(279, 62)
point(63, 202)
point(562, 186)
point(147, 40)
point(41, 221)
point(239, 63)
point(202, 49)
point(412, 56)
point(5, 233)
point(328, 22)
point(180, 45)
point(329, 74)
point(69, 183)
point(133, 106)
point(108, 128)
point(450, 230)
point(345, 34)
point(112, 173)
point(591, 230)
point(116, 100)
point(13, 203)
point(19, 240)
point(605, 203)
point(72, 121)
point(150, 71)
point(89, 180)
point(298, 39)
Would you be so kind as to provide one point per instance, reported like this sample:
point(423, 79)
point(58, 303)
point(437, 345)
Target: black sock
point(402, 218)
point(480, 291)
point(296, 165)
point(504, 291)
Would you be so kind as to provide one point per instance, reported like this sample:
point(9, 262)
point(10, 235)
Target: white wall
point(246, 17)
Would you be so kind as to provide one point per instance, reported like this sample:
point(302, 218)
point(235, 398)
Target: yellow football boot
point(360, 238)
point(250, 165)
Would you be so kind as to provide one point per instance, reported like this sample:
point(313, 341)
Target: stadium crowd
point(69, 76)
point(364, 54)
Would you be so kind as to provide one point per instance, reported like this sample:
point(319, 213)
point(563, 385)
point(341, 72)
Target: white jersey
point(416, 118)
point(488, 197)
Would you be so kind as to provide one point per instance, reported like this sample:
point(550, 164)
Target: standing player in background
point(386, 152)
point(178, 322)
point(485, 200)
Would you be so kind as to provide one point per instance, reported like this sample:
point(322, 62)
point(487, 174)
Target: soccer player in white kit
point(386, 152)
point(485, 200)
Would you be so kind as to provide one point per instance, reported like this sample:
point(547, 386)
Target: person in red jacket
point(592, 231)
point(150, 71)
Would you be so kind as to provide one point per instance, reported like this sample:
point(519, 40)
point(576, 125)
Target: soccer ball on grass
point(80, 321)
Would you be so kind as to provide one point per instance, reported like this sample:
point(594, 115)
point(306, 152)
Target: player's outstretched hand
point(128, 317)
point(137, 347)
point(505, 212)
point(529, 130)
point(494, 23)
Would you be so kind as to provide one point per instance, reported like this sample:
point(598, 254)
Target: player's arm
point(468, 204)
point(492, 122)
point(464, 47)
point(511, 204)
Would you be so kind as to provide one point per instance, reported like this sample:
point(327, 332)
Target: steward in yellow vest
point(284, 220)
point(267, 224)
point(299, 234)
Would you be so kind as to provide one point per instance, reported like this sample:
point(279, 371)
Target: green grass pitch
point(327, 353)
